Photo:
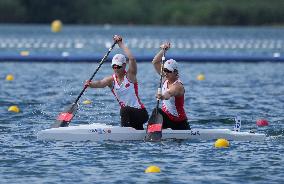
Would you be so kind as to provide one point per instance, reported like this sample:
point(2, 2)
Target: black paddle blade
point(154, 128)
point(64, 118)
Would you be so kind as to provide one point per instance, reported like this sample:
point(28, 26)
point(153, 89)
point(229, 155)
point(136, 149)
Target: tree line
point(145, 12)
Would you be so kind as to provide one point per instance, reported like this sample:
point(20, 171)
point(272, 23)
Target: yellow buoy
point(9, 77)
point(153, 169)
point(24, 53)
point(14, 108)
point(56, 26)
point(200, 77)
point(222, 143)
point(86, 102)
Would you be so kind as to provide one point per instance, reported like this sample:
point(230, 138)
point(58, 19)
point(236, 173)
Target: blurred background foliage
point(152, 12)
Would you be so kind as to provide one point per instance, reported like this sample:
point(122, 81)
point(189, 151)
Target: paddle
point(155, 123)
point(64, 118)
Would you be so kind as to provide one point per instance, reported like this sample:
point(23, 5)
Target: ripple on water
point(236, 89)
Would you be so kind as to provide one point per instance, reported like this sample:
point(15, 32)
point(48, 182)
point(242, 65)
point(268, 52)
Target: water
point(42, 90)
point(188, 42)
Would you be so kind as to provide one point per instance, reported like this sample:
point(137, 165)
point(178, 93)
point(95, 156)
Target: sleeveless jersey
point(126, 93)
point(173, 107)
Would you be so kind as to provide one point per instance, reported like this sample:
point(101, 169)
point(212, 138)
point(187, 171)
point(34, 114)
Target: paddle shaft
point(100, 64)
point(155, 123)
point(161, 78)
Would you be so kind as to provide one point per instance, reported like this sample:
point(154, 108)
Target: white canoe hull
point(102, 132)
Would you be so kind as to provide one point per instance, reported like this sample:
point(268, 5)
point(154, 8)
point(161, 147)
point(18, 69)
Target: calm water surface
point(42, 90)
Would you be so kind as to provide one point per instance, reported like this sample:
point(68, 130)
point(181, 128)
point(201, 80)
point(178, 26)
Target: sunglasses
point(167, 71)
point(116, 67)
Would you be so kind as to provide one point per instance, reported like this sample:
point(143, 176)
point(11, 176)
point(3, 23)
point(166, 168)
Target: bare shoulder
point(178, 89)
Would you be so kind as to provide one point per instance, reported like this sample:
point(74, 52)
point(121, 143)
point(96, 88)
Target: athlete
point(172, 95)
point(124, 87)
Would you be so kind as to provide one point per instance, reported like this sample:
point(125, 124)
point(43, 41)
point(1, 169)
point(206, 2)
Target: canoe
point(103, 132)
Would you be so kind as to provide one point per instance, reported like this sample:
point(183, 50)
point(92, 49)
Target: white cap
point(118, 59)
point(171, 65)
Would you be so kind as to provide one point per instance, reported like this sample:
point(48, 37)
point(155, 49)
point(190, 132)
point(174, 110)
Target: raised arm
point(157, 59)
point(132, 66)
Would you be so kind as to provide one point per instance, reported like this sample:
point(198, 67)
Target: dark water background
point(42, 90)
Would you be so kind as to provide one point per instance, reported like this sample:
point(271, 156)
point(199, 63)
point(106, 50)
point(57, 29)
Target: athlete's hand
point(159, 95)
point(117, 39)
point(87, 83)
point(166, 46)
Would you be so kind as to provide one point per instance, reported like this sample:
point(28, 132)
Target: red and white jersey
point(126, 93)
point(173, 107)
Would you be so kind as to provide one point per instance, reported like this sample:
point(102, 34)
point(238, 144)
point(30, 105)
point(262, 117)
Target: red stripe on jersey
point(179, 102)
point(112, 90)
point(136, 93)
